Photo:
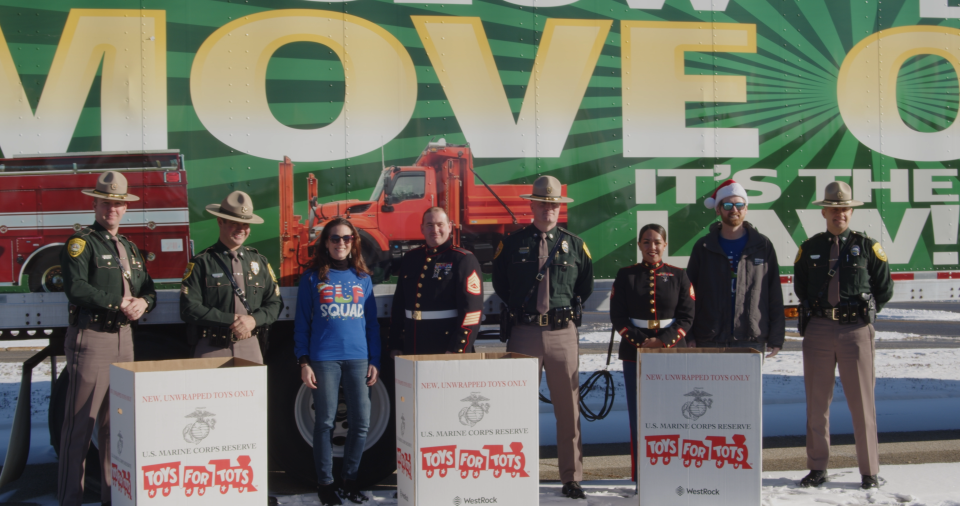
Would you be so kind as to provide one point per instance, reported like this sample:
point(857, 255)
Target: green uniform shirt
point(93, 274)
point(863, 269)
point(206, 294)
point(517, 262)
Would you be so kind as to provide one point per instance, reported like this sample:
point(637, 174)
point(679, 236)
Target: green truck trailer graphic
point(641, 106)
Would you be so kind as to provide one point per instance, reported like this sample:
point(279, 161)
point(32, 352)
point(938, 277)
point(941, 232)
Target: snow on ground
point(896, 314)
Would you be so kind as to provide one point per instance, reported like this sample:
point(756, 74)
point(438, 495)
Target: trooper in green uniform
point(108, 287)
point(842, 280)
point(543, 310)
point(219, 323)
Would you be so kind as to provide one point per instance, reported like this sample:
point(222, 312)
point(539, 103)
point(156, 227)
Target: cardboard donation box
point(700, 427)
point(188, 432)
point(467, 429)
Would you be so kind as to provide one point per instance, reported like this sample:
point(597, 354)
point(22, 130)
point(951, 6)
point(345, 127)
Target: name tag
point(757, 261)
point(218, 274)
point(524, 250)
point(107, 257)
point(814, 257)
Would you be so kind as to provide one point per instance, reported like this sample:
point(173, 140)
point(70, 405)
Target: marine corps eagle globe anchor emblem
point(200, 429)
point(473, 413)
point(698, 406)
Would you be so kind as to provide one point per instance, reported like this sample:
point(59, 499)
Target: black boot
point(351, 492)
point(328, 495)
point(867, 481)
point(814, 479)
point(572, 490)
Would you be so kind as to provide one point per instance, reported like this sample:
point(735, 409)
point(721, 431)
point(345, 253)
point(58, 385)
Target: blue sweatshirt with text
point(336, 319)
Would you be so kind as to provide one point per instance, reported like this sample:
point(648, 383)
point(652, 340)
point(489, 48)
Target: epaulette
point(571, 234)
point(462, 251)
point(251, 249)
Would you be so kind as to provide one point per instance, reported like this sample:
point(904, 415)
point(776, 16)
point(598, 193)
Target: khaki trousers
point(827, 345)
point(559, 354)
point(89, 355)
point(247, 349)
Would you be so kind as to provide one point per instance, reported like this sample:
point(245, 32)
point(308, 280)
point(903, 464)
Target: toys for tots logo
point(121, 480)
point(440, 459)
point(164, 478)
point(696, 452)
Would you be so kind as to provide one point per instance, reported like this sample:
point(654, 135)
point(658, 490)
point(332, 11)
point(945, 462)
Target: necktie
point(833, 292)
point(237, 269)
point(124, 264)
point(543, 291)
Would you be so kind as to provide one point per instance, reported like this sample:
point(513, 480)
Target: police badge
point(565, 246)
point(255, 267)
point(855, 250)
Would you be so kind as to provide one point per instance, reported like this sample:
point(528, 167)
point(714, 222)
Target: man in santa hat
point(735, 274)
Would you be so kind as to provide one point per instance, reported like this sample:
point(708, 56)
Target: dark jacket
point(206, 295)
point(758, 314)
point(863, 269)
point(651, 293)
point(445, 278)
point(517, 262)
point(92, 275)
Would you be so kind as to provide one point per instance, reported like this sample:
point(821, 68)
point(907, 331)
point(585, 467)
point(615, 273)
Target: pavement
point(612, 461)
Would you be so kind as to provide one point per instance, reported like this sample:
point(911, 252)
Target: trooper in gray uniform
point(220, 324)
point(108, 288)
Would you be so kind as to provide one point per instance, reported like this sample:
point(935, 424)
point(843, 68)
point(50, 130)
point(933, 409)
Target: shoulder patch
point(799, 255)
point(499, 250)
point(272, 275)
point(75, 247)
point(587, 251)
point(879, 251)
point(188, 271)
point(473, 284)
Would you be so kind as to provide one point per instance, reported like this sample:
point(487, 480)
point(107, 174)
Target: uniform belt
point(432, 315)
point(830, 313)
point(651, 324)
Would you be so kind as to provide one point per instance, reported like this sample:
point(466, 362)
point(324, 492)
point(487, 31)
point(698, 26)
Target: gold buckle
point(416, 315)
point(653, 324)
point(833, 314)
point(543, 320)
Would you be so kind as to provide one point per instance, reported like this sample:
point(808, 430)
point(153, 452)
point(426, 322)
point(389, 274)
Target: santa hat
point(729, 188)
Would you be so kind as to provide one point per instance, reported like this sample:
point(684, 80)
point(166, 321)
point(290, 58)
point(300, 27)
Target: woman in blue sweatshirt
point(337, 339)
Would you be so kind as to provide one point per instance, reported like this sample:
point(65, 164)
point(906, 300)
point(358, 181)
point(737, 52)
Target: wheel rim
point(305, 416)
point(52, 279)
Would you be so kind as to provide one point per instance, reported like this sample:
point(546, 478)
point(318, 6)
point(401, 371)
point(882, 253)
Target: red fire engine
point(389, 221)
point(41, 207)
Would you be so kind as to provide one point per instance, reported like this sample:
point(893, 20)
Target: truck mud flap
point(19, 448)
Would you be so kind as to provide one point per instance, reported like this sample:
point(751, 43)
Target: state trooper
point(439, 296)
point(229, 292)
point(842, 280)
point(107, 285)
point(542, 311)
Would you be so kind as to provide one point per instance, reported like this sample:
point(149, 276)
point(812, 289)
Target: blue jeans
point(356, 393)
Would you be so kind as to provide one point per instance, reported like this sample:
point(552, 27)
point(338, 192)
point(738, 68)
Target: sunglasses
point(730, 205)
point(337, 238)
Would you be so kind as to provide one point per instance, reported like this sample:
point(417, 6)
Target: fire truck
point(389, 221)
point(40, 209)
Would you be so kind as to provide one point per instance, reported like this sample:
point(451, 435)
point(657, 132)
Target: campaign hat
point(238, 206)
point(111, 185)
point(547, 189)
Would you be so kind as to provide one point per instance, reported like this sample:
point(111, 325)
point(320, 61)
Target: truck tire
point(45, 272)
point(377, 260)
point(55, 416)
point(291, 423)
